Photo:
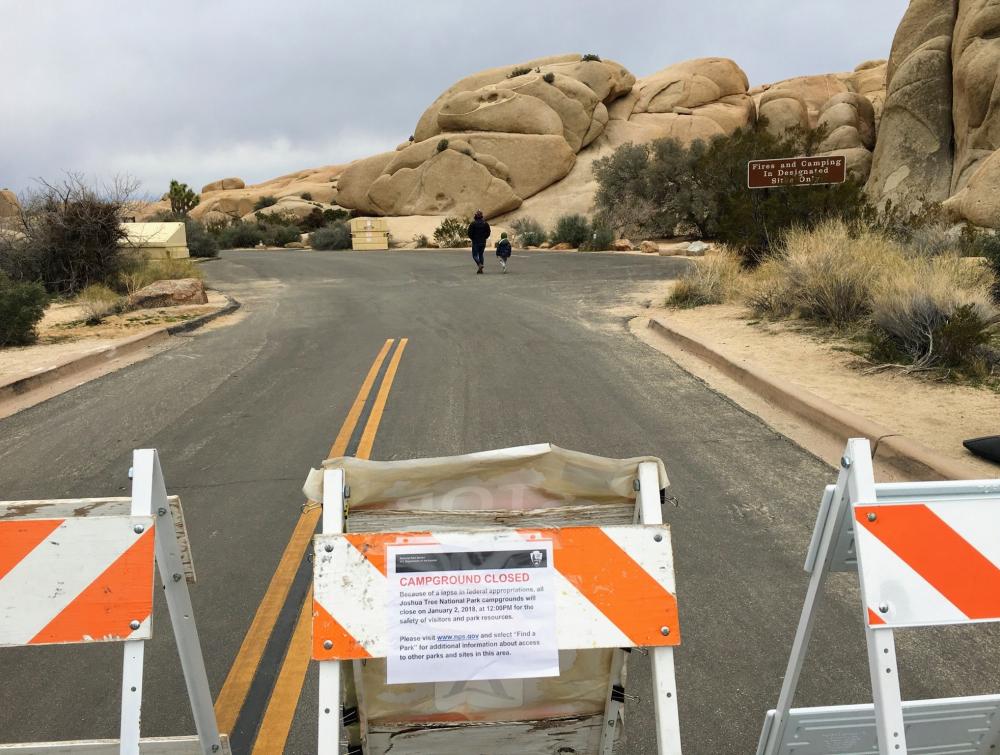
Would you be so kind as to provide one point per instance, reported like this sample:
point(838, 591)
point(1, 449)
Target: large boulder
point(169, 293)
point(223, 184)
point(9, 206)
point(912, 164)
point(502, 110)
point(976, 76)
point(449, 183)
point(979, 201)
point(784, 109)
point(357, 179)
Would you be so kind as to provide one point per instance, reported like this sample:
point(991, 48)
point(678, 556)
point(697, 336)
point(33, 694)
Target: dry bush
point(830, 272)
point(97, 302)
point(713, 280)
point(937, 312)
point(766, 290)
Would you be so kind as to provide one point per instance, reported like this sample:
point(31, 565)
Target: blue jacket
point(503, 248)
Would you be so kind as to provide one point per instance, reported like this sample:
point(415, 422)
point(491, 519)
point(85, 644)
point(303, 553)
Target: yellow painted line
point(241, 673)
point(281, 707)
point(368, 436)
point(339, 447)
point(285, 697)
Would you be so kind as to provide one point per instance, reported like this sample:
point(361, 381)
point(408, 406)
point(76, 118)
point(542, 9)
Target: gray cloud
point(198, 90)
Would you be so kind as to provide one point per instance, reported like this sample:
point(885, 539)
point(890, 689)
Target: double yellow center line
point(280, 711)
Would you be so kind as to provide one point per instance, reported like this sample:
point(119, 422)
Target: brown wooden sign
point(796, 171)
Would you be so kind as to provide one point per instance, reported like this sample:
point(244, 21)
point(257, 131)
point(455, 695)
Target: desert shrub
point(267, 200)
point(68, 235)
point(442, 145)
point(989, 247)
point(97, 302)
point(934, 313)
point(712, 280)
point(667, 188)
point(520, 71)
point(601, 238)
point(528, 232)
point(549, 78)
point(453, 233)
point(571, 229)
point(766, 292)
point(200, 242)
point(182, 199)
point(240, 235)
point(22, 306)
point(334, 236)
point(307, 195)
point(831, 271)
point(279, 235)
point(421, 240)
point(590, 56)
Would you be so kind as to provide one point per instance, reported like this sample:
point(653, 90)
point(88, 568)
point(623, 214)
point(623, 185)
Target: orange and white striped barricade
point(927, 554)
point(604, 585)
point(78, 571)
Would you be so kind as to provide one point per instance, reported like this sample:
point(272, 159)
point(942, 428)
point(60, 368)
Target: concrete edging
point(912, 459)
point(128, 346)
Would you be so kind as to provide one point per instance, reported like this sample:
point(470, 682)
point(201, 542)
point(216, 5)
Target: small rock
point(649, 247)
point(696, 249)
point(261, 245)
point(295, 245)
point(545, 245)
point(621, 245)
point(562, 246)
point(433, 245)
point(171, 293)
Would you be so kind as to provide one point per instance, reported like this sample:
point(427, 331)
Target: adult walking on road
point(479, 232)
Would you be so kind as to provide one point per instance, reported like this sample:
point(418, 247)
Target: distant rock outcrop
point(9, 206)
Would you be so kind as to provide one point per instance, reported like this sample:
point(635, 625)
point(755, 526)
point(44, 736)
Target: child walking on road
point(503, 251)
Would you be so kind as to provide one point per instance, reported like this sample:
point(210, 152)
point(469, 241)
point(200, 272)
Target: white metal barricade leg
point(668, 728)
point(329, 671)
point(149, 489)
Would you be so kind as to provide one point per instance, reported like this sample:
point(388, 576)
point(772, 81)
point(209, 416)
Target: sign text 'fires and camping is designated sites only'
point(796, 171)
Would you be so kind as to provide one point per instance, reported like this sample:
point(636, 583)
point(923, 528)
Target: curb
point(915, 460)
point(128, 346)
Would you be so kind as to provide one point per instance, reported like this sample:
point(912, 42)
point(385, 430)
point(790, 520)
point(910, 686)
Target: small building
point(157, 241)
point(369, 233)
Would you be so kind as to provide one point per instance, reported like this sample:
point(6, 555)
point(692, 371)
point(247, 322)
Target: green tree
point(182, 199)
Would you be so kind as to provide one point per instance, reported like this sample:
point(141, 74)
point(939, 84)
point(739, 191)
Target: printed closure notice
point(475, 608)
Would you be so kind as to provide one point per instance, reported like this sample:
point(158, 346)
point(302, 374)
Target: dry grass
point(98, 302)
point(143, 272)
point(714, 280)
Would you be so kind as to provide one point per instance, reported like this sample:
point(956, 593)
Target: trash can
point(369, 233)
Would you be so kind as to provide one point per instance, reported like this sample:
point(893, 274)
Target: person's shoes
point(503, 265)
point(480, 270)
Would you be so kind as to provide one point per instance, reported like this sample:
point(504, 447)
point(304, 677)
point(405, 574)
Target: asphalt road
point(239, 414)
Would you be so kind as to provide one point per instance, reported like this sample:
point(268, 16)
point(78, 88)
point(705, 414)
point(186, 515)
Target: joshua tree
point(182, 199)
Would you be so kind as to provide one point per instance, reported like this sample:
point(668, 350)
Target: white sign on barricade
point(479, 606)
point(81, 570)
point(926, 554)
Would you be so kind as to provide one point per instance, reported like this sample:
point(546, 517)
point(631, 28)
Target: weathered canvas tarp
point(522, 478)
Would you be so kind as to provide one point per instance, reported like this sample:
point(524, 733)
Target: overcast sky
point(201, 89)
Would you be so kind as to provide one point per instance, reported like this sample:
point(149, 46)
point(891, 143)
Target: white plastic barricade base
point(926, 554)
point(949, 726)
point(101, 552)
point(425, 528)
point(149, 746)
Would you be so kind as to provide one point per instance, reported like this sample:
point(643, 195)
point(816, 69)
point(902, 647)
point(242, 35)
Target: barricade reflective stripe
point(934, 563)
point(76, 580)
point(615, 587)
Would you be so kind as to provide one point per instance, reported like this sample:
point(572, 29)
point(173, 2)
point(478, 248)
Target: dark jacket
point(479, 231)
point(503, 248)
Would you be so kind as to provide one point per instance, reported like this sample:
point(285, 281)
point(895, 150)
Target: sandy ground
point(939, 415)
point(62, 334)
